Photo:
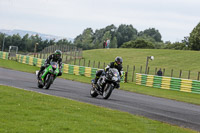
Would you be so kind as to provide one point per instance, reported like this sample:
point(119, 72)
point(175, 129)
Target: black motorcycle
point(106, 83)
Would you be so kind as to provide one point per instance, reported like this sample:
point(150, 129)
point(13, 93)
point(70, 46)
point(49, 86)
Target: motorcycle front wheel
point(107, 91)
point(49, 81)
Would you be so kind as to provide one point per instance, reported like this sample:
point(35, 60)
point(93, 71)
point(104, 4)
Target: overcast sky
point(174, 19)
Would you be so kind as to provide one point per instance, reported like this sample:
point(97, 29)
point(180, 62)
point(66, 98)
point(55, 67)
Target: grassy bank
point(168, 59)
point(175, 95)
point(29, 112)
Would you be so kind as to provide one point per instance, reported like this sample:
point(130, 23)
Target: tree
point(63, 42)
point(27, 43)
point(151, 32)
point(16, 40)
point(113, 43)
point(1, 40)
point(33, 40)
point(179, 46)
point(159, 45)
point(8, 42)
point(176, 46)
point(85, 39)
point(78, 41)
point(125, 33)
point(112, 29)
point(24, 42)
point(99, 35)
point(194, 39)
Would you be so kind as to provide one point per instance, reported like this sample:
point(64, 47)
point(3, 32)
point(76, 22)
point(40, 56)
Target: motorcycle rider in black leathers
point(56, 57)
point(116, 64)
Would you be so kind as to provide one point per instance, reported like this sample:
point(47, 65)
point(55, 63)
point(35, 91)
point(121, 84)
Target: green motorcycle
point(48, 75)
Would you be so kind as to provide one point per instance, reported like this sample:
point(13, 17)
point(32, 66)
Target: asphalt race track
point(173, 112)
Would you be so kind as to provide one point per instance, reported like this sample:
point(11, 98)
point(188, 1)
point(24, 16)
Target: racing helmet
point(118, 60)
point(57, 54)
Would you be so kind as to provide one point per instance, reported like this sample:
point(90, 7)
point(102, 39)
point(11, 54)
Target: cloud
point(175, 17)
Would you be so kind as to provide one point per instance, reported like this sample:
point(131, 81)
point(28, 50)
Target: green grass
point(176, 59)
point(17, 66)
point(168, 59)
point(170, 94)
point(30, 112)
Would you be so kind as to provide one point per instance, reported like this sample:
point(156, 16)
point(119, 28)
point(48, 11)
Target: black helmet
point(118, 60)
point(57, 53)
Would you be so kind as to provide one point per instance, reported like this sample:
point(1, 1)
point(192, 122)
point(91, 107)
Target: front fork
point(54, 77)
point(43, 76)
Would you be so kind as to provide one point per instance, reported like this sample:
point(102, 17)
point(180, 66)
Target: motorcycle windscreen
point(54, 65)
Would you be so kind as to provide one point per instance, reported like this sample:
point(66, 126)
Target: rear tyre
point(93, 93)
point(39, 85)
point(107, 91)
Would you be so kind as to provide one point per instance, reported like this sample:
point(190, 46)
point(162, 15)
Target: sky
point(174, 19)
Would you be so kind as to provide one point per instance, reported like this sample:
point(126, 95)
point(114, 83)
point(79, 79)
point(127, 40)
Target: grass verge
point(175, 95)
point(30, 112)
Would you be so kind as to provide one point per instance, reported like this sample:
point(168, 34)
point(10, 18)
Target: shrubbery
point(138, 43)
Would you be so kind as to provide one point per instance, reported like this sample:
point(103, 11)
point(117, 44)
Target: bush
point(138, 43)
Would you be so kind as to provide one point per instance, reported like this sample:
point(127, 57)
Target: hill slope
point(168, 59)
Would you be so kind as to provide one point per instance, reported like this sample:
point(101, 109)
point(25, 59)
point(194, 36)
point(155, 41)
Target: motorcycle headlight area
point(115, 74)
point(115, 78)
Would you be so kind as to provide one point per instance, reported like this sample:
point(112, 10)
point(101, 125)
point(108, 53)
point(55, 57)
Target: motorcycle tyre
point(108, 90)
point(39, 85)
point(49, 81)
point(93, 93)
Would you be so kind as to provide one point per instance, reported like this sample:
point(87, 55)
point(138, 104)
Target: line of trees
point(124, 36)
point(27, 43)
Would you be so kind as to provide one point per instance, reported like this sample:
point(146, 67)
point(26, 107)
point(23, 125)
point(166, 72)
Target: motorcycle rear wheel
point(39, 85)
point(93, 93)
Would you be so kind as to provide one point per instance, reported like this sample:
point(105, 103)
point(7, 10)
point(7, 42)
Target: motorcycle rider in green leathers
point(56, 57)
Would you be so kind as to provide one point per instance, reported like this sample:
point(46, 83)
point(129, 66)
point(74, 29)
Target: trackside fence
point(170, 83)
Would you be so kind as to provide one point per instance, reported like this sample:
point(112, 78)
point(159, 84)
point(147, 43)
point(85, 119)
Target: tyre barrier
point(170, 83)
